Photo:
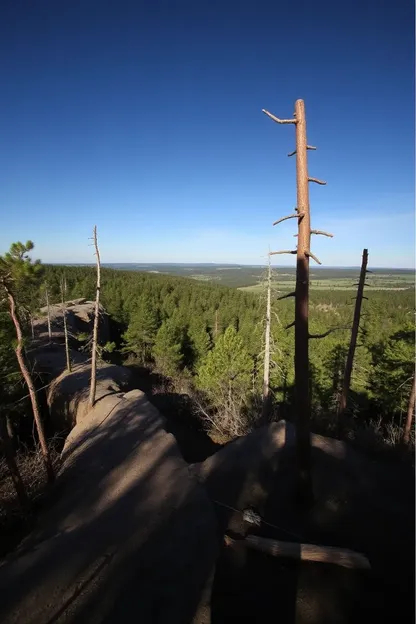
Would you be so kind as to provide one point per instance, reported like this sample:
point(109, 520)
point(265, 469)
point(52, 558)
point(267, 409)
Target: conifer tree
point(201, 341)
point(225, 376)
point(17, 274)
point(141, 332)
point(168, 348)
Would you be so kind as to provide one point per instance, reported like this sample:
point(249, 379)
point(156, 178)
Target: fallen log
point(304, 552)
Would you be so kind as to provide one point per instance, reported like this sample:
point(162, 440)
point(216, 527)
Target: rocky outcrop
point(128, 533)
point(360, 504)
point(80, 318)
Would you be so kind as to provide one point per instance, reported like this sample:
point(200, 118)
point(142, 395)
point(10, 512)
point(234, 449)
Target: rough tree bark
point(302, 391)
point(9, 456)
point(95, 329)
point(31, 387)
point(301, 294)
point(410, 413)
point(63, 295)
point(266, 372)
point(354, 334)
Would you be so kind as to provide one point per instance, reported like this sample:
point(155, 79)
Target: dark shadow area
point(129, 535)
point(194, 443)
point(361, 505)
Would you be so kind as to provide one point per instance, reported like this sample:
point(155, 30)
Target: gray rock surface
point(129, 536)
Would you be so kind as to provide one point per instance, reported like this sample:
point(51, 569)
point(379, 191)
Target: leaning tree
point(18, 273)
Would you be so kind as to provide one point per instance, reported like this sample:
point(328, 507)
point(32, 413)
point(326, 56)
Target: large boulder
point(129, 535)
point(360, 504)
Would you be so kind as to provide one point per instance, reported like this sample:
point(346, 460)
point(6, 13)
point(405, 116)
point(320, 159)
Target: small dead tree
point(342, 406)
point(216, 329)
point(301, 323)
point(64, 312)
point(266, 370)
point(96, 320)
point(9, 456)
point(410, 413)
point(48, 311)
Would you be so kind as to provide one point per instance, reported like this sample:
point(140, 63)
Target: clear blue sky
point(145, 119)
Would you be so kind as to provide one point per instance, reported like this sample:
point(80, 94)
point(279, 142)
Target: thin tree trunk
point(31, 387)
point(216, 324)
point(12, 465)
point(68, 357)
point(301, 294)
point(266, 372)
point(95, 330)
point(32, 328)
point(302, 390)
point(354, 334)
point(410, 413)
point(48, 313)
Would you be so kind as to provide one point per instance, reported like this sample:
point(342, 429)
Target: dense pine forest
point(206, 340)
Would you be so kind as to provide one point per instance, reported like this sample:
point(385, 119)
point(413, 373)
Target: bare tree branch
point(311, 255)
point(317, 181)
point(291, 216)
point(322, 233)
point(330, 331)
point(290, 325)
point(277, 120)
point(285, 251)
point(291, 294)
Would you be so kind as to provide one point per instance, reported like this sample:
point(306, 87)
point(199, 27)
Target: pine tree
point(225, 376)
point(167, 349)
point(17, 273)
point(141, 332)
point(201, 342)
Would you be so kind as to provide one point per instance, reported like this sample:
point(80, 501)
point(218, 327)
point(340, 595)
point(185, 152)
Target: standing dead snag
point(63, 297)
point(301, 323)
point(342, 406)
point(266, 372)
point(95, 329)
point(48, 312)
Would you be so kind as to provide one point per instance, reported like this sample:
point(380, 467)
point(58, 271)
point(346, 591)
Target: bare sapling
point(64, 314)
point(301, 294)
point(96, 321)
point(48, 312)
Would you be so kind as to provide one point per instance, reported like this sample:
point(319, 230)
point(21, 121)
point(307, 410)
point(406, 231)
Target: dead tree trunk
point(32, 327)
point(95, 329)
point(266, 372)
point(354, 334)
point(9, 456)
point(48, 313)
point(301, 294)
point(216, 324)
point(31, 387)
point(63, 295)
point(410, 413)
